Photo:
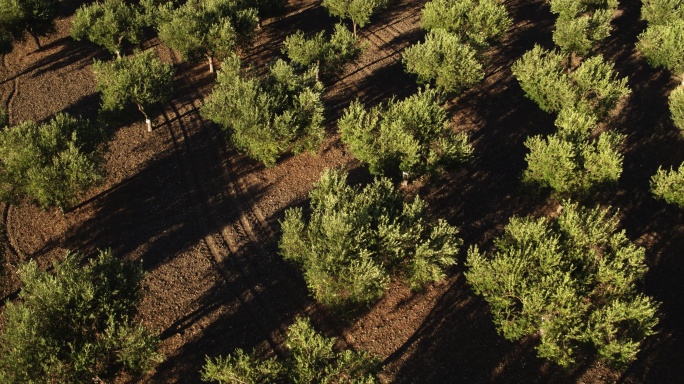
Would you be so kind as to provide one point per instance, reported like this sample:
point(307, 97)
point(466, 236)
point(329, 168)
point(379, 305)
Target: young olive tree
point(358, 11)
point(571, 281)
point(663, 45)
point(271, 116)
point(669, 185)
point(208, 29)
point(311, 358)
point(581, 24)
point(76, 325)
point(592, 88)
point(356, 239)
point(477, 22)
point(326, 55)
point(445, 61)
point(51, 164)
point(411, 136)
point(110, 23)
point(142, 79)
point(573, 162)
point(17, 17)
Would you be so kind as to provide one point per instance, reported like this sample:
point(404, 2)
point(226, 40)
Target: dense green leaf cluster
point(412, 135)
point(329, 55)
point(573, 161)
point(268, 117)
point(445, 61)
point(207, 28)
point(310, 359)
point(676, 103)
point(581, 24)
point(669, 185)
point(571, 282)
point(358, 11)
point(76, 325)
point(17, 17)
point(662, 43)
point(477, 22)
point(141, 78)
point(110, 24)
point(356, 239)
point(592, 88)
point(52, 163)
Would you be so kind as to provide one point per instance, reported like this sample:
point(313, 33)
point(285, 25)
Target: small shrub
point(445, 61)
point(669, 185)
point(358, 11)
point(676, 103)
point(571, 281)
point(581, 24)
point(310, 359)
point(663, 45)
point(76, 326)
point(356, 239)
point(660, 12)
point(412, 135)
point(266, 118)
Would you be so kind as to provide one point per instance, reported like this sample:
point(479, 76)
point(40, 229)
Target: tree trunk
point(318, 68)
point(118, 54)
point(354, 24)
point(35, 38)
point(211, 63)
point(147, 119)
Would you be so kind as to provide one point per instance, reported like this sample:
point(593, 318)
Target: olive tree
point(310, 358)
point(51, 164)
point(571, 282)
point(593, 88)
point(328, 55)
point(445, 61)
point(355, 239)
point(110, 23)
point(477, 22)
point(669, 185)
point(141, 78)
point(77, 325)
point(282, 112)
point(663, 45)
point(358, 11)
point(208, 29)
point(582, 24)
point(411, 136)
point(573, 162)
point(17, 17)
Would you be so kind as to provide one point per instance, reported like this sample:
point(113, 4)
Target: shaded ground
point(204, 219)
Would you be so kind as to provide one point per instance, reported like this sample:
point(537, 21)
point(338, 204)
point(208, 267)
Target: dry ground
point(204, 218)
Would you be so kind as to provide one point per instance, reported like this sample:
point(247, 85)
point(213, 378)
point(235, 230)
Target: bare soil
point(204, 219)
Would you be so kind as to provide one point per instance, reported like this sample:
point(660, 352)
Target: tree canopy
point(17, 17)
point(358, 11)
point(357, 238)
point(571, 281)
point(51, 164)
point(76, 325)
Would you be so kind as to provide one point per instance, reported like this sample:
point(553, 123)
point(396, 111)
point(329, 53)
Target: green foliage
point(110, 24)
point(35, 17)
point(76, 326)
point(676, 102)
point(571, 281)
point(475, 21)
point(661, 12)
point(208, 28)
point(142, 79)
point(663, 45)
point(310, 359)
point(268, 117)
point(581, 24)
point(4, 118)
point(412, 135)
point(356, 239)
point(572, 162)
point(52, 163)
point(593, 88)
point(358, 11)
point(669, 185)
point(445, 61)
point(329, 54)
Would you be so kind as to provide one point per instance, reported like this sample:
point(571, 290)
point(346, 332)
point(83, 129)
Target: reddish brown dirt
point(204, 218)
